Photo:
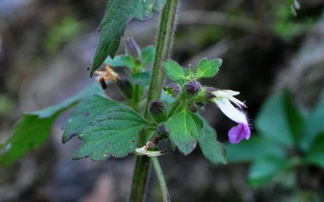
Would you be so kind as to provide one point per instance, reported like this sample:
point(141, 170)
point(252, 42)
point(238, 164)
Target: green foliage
point(118, 14)
point(208, 68)
point(184, 128)
point(105, 127)
point(141, 78)
point(264, 170)
point(174, 71)
point(212, 149)
point(29, 133)
point(64, 31)
point(279, 110)
point(34, 128)
point(287, 24)
point(282, 129)
point(254, 149)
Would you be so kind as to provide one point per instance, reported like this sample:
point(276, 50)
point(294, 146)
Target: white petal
point(142, 151)
point(229, 94)
point(230, 111)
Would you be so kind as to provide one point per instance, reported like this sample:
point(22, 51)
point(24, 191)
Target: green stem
point(164, 43)
point(162, 182)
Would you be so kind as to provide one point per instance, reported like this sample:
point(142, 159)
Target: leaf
point(34, 128)
point(208, 68)
point(184, 129)
point(29, 133)
point(254, 149)
point(174, 71)
point(118, 14)
point(51, 111)
point(212, 149)
point(280, 120)
point(116, 62)
point(148, 54)
point(105, 127)
point(315, 155)
point(142, 78)
point(264, 170)
point(314, 126)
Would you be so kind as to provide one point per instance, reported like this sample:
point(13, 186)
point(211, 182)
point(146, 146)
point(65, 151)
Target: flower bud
point(192, 88)
point(132, 47)
point(158, 111)
point(173, 89)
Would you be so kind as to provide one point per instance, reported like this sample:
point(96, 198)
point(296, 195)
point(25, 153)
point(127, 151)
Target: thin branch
point(161, 179)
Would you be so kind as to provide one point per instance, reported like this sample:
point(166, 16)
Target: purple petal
point(238, 133)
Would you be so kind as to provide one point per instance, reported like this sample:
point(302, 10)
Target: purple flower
point(224, 99)
point(238, 133)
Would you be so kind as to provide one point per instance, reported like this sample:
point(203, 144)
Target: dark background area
point(45, 46)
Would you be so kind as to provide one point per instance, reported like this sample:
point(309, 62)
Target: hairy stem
point(164, 43)
point(162, 182)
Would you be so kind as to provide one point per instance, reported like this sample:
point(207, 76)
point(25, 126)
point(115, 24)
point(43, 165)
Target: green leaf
point(208, 68)
point(315, 155)
point(118, 14)
point(105, 127)
point(264, 170)
point(34, 128)
point(116, 62)
point(254, 149)
point(212, 149)
point(29, 133)
point(184, 129)
point(142, 78)
point(148, 54)
point(174, 71)
point(51, 111)
point(280, 120)
point(314, 126)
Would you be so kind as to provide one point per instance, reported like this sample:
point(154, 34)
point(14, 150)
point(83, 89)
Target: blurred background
point(46, 45)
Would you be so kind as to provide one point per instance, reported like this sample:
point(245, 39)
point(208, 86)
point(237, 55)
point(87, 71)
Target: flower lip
point(238, 133)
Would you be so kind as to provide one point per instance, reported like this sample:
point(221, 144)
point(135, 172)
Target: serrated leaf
point(34, 128)
point(254, 149)
point(264, 170)
point(116, 62)
point(184, 129)
point(142, 78)
point(105, 127)
point(118, 14)
point(208, 68)
point(280, 120)
point(174, 71)
point(212, 149)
